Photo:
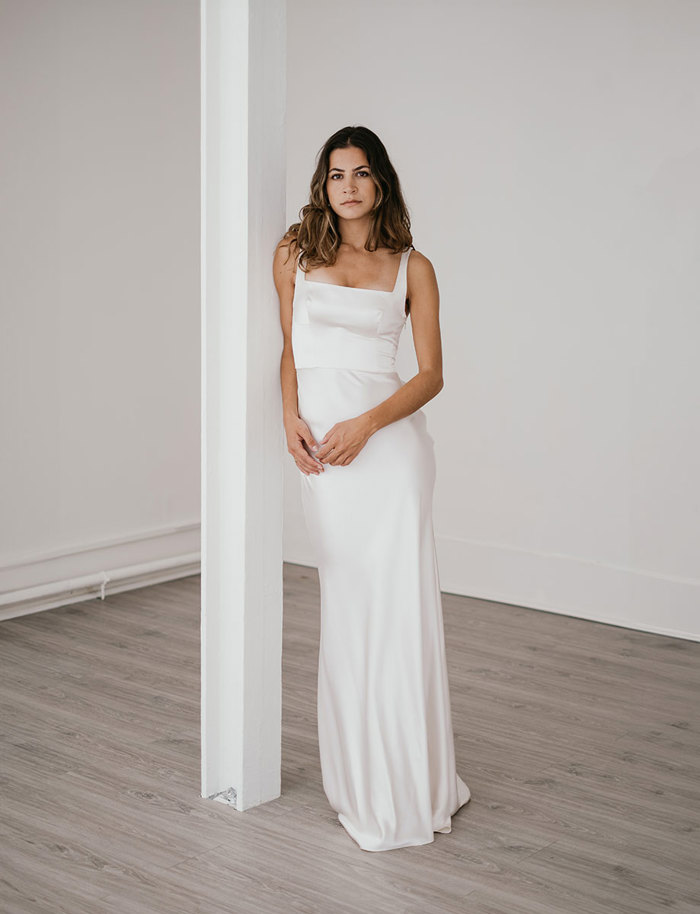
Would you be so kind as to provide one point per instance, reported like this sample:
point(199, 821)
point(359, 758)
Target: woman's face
point(349, 179)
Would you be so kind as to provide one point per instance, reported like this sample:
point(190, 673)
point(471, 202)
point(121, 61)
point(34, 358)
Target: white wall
point(99, 273)
point(549, 154)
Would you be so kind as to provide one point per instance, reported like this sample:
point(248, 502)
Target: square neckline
point(337, 285)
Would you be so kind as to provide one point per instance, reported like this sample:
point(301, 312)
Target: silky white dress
point(385, 734)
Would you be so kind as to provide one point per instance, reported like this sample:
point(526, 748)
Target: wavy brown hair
point(316, 237)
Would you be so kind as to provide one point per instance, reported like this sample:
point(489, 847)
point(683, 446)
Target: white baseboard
point(31, 583)
point(572, 586)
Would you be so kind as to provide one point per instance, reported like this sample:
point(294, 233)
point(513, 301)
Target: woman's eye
point(336, 175)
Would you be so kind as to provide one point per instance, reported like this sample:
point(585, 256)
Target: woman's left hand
point(343, 442)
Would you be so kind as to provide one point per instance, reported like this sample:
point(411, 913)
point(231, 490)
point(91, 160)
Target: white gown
point(385, 734)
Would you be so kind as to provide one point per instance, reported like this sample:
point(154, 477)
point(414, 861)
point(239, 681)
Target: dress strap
point(402, 280)
point(300, 275)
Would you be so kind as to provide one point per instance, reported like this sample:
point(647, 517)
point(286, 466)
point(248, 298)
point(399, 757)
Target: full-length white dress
point(385, 734)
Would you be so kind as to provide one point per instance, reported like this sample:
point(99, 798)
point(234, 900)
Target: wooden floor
point(579, 742)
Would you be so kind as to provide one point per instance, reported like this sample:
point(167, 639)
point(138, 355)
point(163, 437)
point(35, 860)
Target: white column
point(243, 45)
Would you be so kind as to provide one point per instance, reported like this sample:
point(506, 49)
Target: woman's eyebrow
point(342, 169)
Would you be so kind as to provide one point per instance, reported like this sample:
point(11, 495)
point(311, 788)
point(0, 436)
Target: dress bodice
point(336, 326)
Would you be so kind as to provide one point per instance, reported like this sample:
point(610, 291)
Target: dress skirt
point(385, 734)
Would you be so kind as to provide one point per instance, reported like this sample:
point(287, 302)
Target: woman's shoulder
point(419, 264)
point(287, 252)
point(287, 247)
point(284, 264)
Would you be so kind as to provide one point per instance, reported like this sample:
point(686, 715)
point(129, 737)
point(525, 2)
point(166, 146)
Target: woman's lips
point(350, 202)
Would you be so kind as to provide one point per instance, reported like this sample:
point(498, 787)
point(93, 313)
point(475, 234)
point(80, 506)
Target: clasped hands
point(338, 447)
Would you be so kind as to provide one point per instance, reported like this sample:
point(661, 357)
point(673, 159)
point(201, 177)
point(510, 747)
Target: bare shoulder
point(284, 263)
point(420, 273)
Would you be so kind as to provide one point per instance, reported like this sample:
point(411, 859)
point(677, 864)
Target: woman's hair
point(317, 238)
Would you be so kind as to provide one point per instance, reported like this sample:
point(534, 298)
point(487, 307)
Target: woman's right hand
point(299, 444)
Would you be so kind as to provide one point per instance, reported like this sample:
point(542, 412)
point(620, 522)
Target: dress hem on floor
point(464, 796)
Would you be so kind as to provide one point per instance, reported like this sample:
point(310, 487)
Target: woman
point(347, 277)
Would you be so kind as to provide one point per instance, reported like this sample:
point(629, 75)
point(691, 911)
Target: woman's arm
point(424, 300)
point(296, 430)
point(350, 436)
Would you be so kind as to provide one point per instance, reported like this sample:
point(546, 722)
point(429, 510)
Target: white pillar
point(243, 48)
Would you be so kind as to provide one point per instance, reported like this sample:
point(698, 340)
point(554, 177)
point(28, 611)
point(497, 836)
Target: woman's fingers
point(335, 457)
point(298, 434)
point(332, 452)
point(305, 462)
point(325, 450)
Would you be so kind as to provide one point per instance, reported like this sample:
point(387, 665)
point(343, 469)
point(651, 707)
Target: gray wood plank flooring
point(579, 742)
